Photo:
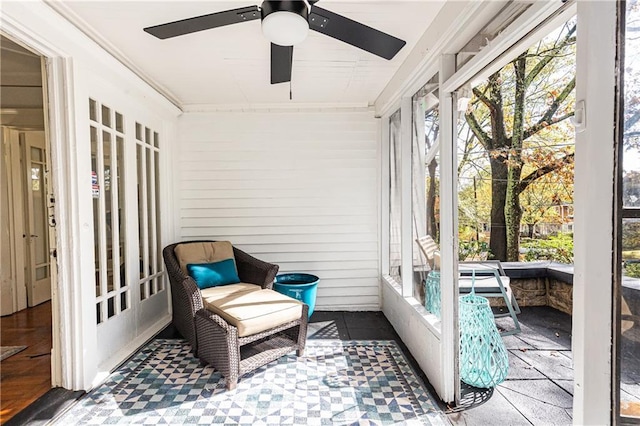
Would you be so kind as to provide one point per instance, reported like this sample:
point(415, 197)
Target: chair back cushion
point(203, 252)
point(255, 311)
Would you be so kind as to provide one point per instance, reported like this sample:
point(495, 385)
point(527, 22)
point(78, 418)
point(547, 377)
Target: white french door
point(27, 281)
point(36, 236)
point(130, 291)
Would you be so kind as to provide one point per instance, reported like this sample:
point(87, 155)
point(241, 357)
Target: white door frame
point(594, 196)
point(67, 368)
point(68, 362)
point(594, 204)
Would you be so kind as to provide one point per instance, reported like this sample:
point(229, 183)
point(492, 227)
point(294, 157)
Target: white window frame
point(592, 333)
point(594, 206)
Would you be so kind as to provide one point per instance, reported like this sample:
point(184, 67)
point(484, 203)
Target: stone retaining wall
point(560, 296)
point(540, 291)
point(551, 284)
point(528, 292)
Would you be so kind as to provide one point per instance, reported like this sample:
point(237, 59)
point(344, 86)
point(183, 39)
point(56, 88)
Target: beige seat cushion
point(205, 252)
point(211, 294)
point(255, 311)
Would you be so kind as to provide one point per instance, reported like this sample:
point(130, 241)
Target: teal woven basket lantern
point(484, 361)
point(432, 293)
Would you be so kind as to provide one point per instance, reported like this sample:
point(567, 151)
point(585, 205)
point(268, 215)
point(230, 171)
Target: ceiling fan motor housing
point(285, 23)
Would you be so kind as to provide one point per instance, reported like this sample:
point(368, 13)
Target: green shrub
point(632, 270)
point(473, 250)
point(558, 248)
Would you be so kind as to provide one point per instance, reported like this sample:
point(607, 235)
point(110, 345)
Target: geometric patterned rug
point(335, 382)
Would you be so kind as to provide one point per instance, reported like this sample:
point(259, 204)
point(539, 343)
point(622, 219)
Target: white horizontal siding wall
point(294, 188)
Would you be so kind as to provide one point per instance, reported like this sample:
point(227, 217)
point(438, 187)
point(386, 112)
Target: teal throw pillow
point(214, 274)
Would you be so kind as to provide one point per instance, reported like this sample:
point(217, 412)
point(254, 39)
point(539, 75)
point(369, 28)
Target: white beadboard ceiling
point(230, 65)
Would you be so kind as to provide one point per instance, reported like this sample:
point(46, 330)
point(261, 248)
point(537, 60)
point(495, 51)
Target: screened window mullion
point(158, 234)
point(102, 229)
point(142, 183)
point(149, 242)
point(152, 216)
point(107, 141)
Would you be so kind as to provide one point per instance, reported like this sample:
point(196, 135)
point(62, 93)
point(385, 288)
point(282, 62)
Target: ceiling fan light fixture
point(285, 22)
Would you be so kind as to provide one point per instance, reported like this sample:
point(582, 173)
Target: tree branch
point(547, 118)
point(629, 122)
point(480, 95)
point(482, 136)
point(568, 39)
point(544, 170)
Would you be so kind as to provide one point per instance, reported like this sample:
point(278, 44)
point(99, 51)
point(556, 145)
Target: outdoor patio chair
point(428, 247)
point(490, 280)
point(238, 327)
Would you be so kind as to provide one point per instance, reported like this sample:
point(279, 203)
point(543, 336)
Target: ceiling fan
point(285, 24)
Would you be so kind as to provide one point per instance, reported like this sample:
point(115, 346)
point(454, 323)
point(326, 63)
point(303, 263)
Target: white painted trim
point(434, 151)
point(406, 242)
point(594, 206)
point(520, 34)
point(65, 186)
point(449, 233)
point(384, 196)
point(113, 362)
point(25, 17)
point(414, 326)
point(67, 13)
point(67, 351)
point(275, 107)
point(456, 23)
point(432, 322)
point(350, 308)
point(73, 56)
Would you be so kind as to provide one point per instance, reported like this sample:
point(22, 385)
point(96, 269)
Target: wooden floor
point(26, 376)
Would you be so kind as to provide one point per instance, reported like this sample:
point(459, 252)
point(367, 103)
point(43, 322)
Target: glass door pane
point(150, 242)
point(108, 194)
point(425, 196)
point(395, 256)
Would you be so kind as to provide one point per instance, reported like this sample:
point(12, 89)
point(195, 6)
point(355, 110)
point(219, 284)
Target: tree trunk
point(432, 224)
point(512, 209)
point(498, 232)
point(530, 228)
point(513, 216)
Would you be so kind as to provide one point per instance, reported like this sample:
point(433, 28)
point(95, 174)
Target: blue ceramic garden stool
point(303, 287)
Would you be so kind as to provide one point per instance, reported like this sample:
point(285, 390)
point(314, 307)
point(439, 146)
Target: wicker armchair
point(213, 338)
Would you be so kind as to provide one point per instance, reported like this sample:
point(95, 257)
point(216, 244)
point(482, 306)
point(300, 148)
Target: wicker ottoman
point(243, 332)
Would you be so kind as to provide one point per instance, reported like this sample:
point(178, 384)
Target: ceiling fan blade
point(281, 63)
point(354, 33)
point(204, 22)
